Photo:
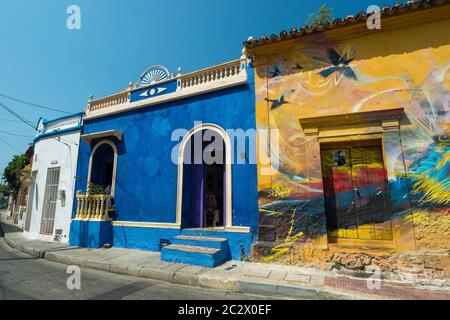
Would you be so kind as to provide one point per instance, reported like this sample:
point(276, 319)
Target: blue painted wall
point(146, 180)
point(90, 234)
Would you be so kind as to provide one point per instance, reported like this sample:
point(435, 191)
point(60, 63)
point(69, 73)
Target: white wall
point(51, 153)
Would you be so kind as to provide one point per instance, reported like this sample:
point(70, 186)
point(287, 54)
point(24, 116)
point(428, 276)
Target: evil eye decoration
point(154, 91)
point(153, 75)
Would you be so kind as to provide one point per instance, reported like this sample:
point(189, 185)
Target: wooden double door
point(356, 192)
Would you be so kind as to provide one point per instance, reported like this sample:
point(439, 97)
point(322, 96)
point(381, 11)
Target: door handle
point(357, 191)
point(380, 190)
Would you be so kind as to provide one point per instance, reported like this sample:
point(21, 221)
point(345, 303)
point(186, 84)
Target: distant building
point(3, 200)
point(51, 190)
point(18, 204)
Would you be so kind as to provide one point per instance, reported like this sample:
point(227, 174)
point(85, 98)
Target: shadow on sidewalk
point(6, 227)
point(15, 259)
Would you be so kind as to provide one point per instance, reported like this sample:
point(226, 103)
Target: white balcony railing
point(107, 102)
point(213, 78)
point(93, 206)
point(220, 72)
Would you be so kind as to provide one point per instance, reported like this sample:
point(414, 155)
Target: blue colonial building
point(141, 183)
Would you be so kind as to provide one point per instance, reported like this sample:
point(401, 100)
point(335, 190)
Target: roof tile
point(338, 22)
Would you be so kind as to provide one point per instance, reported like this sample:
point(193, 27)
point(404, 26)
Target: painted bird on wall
point(276, 103)
point(339, 64)
point(275, 72)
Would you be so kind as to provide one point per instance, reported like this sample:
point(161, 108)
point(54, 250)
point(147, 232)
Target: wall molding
point(162, 225)
point(156, 225)
point(312, 125)
point(88, 137)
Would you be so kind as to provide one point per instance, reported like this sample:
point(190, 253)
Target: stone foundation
point(417, 265)
point(431, 259)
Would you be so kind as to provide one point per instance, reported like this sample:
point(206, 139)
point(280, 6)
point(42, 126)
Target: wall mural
point(331, 78)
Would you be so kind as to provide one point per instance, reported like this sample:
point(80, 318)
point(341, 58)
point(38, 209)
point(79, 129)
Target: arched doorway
point(102, 166)
point(204, 179)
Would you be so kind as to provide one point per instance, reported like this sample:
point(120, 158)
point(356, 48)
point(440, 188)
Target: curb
point(183, 278)
point(286, 290)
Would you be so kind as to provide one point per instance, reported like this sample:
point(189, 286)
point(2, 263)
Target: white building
point(54, 165)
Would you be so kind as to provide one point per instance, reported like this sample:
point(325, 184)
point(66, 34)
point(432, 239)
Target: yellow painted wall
point(402, 68)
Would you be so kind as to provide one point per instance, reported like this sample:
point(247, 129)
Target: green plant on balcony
point(95, 189)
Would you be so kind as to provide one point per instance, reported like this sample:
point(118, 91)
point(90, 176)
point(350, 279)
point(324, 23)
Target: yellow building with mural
point(355, 167)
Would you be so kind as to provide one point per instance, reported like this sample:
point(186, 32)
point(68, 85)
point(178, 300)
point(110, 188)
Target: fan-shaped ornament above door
point(153, 75)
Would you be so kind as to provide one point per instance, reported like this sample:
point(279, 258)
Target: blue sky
point(44, 62)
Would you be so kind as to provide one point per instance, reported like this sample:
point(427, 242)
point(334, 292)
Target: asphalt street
point(25, 277)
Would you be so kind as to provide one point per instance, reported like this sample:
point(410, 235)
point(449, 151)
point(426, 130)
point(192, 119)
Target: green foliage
point(324, 15)
point(4, 189)
point(96, 189)
point(13, 172)
point(337, 265)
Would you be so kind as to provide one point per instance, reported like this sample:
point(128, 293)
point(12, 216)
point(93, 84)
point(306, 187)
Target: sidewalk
point(236, 276)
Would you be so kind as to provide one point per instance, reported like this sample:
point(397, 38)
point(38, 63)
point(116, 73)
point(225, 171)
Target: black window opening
point(102, 170)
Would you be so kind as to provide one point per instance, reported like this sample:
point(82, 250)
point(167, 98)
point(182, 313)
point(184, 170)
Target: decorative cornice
point(137, 224)
point(103, 134)
point(312, 124)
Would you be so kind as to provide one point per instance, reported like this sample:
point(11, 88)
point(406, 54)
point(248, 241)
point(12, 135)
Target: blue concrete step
point(194, 255)
point(199, 241)
point(199, 232)
point(194, 247)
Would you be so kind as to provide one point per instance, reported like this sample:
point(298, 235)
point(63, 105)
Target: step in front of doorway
point(201, 241)
point(194, 255)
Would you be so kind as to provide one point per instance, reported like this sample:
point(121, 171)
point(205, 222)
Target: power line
point(18, 116)
point(9, 120)
point(33, 104)
point(26, 122)
point(12, 147)
point(15, 134)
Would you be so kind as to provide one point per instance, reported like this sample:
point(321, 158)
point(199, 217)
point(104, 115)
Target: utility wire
point(33, 104)
point(29, 123)
point(18, 116)
point(9, 120)
point(12, 147)
point(15, 134)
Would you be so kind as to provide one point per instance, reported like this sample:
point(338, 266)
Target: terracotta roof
point(361, 17)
